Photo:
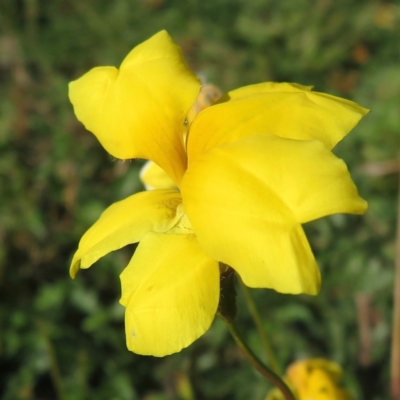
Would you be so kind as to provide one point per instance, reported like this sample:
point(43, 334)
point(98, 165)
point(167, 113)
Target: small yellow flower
point(314, 379)
point(248, 171)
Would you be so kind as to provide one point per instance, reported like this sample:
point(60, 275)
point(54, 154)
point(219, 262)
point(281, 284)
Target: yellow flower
point(314, 379)
point(249, 170)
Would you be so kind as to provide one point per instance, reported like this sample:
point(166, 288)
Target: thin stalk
point(256, 362)
point(395, 353)
point(54, 368)
point(261, 332)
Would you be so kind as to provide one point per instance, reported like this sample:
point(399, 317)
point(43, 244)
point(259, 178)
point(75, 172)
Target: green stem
point(257, 321)
point(395, 351)
point(54, 369)
point(256, 362)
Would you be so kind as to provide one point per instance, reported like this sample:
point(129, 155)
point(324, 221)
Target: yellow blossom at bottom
point(313, 379)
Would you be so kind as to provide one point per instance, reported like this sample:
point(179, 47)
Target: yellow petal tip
point(75, 266)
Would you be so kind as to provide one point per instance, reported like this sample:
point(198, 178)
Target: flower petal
point(285, 110)
point(265, 87)
point(154, 177)
point(171, 291)
point(126, 222)
point(246, 201)
point(140, 109)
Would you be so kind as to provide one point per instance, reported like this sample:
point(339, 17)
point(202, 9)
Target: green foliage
point(64, 339)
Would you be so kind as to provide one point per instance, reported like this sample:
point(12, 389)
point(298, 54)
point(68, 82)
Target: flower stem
point(54, 368)
point(395, 352)
point(257, 321)
point(256, 362)
point(227, 312)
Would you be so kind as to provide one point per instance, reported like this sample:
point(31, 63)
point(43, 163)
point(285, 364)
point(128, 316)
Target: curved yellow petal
point(246, 201)
point(171, 291)
point(139, 110)
point(154, 177)
point(265, 87)
point(126, 222)
point(294, 113)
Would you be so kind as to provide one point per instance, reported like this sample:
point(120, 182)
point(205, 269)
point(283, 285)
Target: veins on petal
point(171, 207)
point(183, 226)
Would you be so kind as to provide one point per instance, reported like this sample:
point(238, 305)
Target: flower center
point(183, 226)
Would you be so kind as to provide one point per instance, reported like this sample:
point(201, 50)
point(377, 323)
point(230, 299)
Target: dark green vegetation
point(63, 339)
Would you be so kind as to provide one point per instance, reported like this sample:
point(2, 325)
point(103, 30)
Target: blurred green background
point(63, 339)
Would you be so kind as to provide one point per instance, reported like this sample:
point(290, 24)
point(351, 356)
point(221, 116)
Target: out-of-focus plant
point(55, 180)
